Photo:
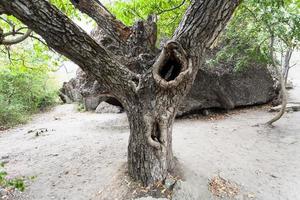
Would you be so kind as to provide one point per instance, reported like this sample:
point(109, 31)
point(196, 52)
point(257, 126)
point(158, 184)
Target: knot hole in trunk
point(171, 66)
point(170, 69)
point(156, 134)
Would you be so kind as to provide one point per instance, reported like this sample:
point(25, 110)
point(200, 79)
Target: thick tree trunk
point(151, 95)
point(148, 161)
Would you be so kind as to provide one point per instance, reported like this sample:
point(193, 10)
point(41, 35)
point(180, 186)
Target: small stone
point(206, 112)
point(169, 182)
point(5, 157)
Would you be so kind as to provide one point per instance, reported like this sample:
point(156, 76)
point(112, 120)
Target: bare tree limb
point(15, 31)
point(171, 9)
point(16, 40)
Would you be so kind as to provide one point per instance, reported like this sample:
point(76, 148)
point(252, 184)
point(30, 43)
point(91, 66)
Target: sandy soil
point(81, 152)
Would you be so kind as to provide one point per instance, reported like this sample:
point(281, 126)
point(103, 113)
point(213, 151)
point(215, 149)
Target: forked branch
point(5, 41)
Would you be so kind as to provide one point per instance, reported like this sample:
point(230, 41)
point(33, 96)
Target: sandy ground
point(81, 152)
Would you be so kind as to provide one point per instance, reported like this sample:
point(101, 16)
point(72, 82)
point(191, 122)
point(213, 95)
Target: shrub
point(23, 91)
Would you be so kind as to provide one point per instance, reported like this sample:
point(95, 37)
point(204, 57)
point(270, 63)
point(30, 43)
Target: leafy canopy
point(247, 37)
point(169, 13)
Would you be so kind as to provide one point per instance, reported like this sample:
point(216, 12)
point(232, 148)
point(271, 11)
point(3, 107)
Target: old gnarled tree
point(148, 82)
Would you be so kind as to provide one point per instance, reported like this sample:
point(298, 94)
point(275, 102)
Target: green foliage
point(16, 183)
point(247, 37)
point(26, 85)
point(168, 17)
point(80, 107)
point(66, 7)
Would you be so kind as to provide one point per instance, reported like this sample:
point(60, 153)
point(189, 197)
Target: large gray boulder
point(223, 87)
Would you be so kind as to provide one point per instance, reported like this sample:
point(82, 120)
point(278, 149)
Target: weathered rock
point(83, 89)
point(220, 87)
point(169, 182)
point(108, 108)
point(224, 88)
point(70, 91)
point(91, 102)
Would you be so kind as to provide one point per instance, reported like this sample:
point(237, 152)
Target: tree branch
point(65, 37)
point(203, 22)
point(16, 40)
point(104, 19)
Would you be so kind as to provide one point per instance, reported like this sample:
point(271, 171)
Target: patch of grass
point(80, 107)
point(14, 183)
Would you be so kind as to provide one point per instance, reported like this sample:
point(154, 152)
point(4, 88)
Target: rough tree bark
point(150, 95)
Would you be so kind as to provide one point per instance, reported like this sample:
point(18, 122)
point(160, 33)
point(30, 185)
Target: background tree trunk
point(283, 91)
point(286, 64)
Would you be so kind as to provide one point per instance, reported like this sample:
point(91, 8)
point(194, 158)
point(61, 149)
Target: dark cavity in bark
point(171, 69)
point(156, 134)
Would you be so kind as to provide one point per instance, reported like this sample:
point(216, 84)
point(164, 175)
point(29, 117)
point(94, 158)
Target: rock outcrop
point(224, 88)
point(219, 87)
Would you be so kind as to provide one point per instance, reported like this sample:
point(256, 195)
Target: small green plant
point(15, 183)
point(80, 107)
